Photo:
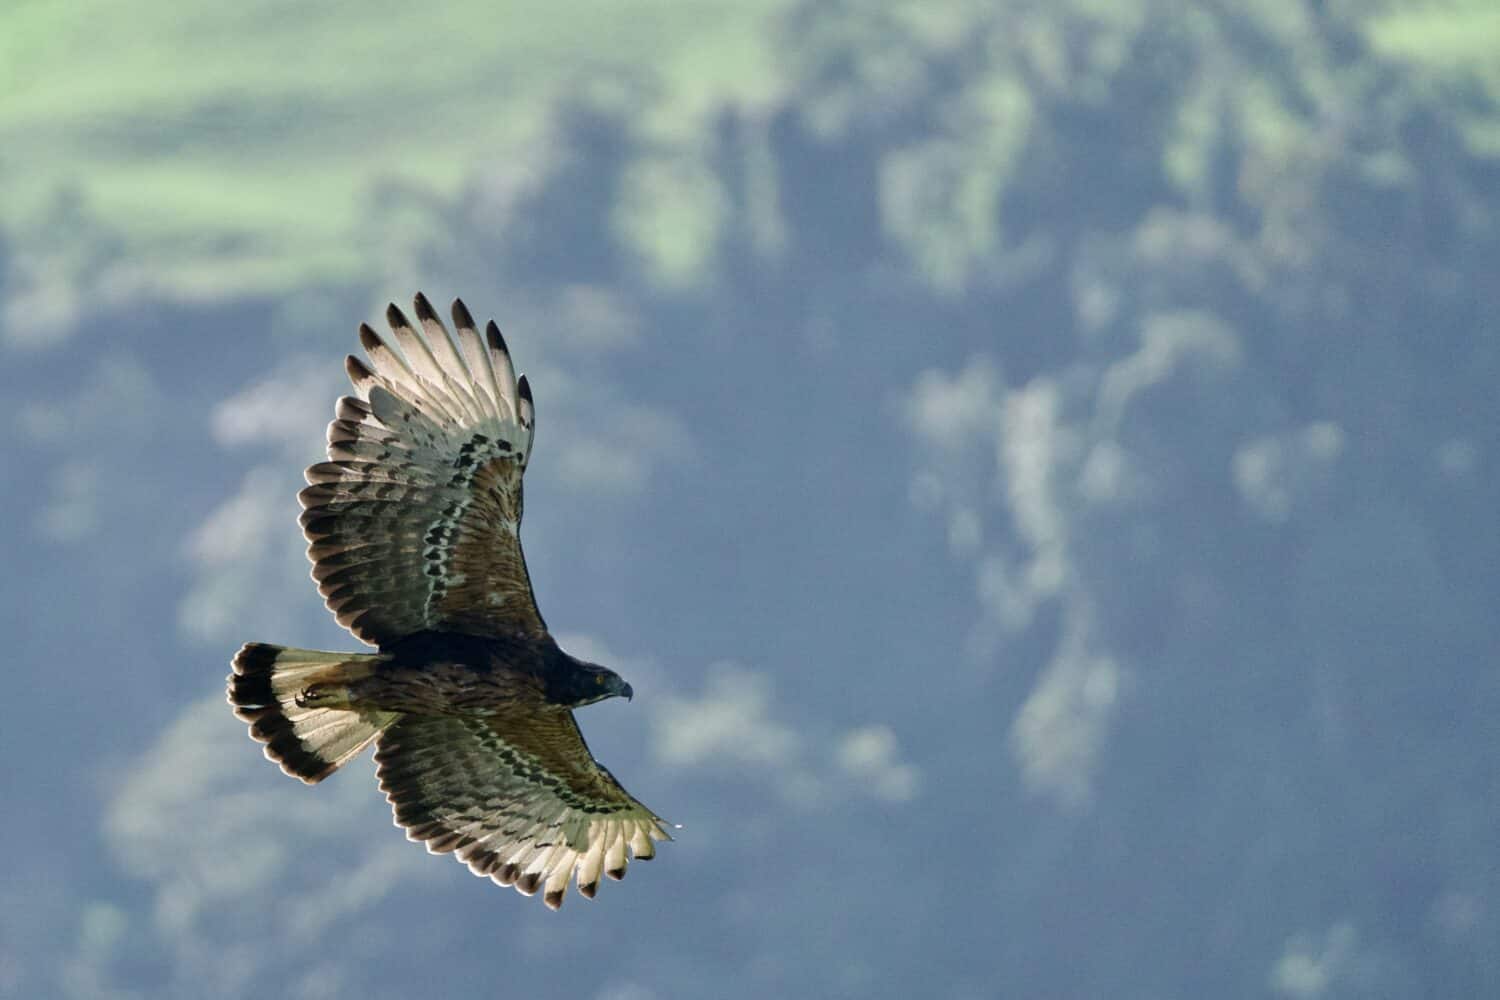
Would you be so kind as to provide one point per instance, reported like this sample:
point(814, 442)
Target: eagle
point(413, 529)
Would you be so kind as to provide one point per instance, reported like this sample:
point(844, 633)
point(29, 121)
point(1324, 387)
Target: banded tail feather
point(309, 741)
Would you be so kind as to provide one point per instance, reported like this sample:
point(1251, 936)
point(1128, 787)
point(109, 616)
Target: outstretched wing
point(516, 797)
point(414, 522)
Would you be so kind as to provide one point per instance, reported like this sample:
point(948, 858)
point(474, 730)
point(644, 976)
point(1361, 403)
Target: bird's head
point(585, 683)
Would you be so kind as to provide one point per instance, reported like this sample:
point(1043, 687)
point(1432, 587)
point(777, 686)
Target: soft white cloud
point(1457, 458)
point(1274, 473)
point(1308, 969)
point(870, 755)
point(1171, 343)
point(949, 411)
point(1036, 447)
point(118, 401)
point(1009, 456)
point(73, 270)
point(593, 318)
point(984, 446)
point(671, 213)
point(729, 722)
point(249, 569)
point(1022, 474)
point(86, 430)
point(240, 527)
point(43, 309)
point(735, 724)
point(289, 408)
point(1061, 728)
point(241, 863)
point(619, 451)
point(1012, 471)
point(1110, 475)
point(1003, 594)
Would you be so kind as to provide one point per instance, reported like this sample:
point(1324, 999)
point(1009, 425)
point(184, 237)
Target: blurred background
point(1037, 462)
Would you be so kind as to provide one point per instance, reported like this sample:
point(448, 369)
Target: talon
point(310, 695)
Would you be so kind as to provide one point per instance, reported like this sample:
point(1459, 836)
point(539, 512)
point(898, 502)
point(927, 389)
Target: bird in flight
point(413, 529)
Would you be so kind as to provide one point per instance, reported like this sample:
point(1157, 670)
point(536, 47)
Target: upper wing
point(414, 523)
point(519, 798)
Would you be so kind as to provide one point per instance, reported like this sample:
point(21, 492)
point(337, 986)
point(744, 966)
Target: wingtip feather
point(424, 309)
point(359, 373)
point(368, 338)
point(395, 318)
point(462, 318)
point(493, 336)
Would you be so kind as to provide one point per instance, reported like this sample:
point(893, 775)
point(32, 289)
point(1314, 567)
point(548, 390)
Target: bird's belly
point(439, 689)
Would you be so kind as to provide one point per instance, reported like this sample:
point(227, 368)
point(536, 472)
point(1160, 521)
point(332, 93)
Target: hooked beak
point(627, 692)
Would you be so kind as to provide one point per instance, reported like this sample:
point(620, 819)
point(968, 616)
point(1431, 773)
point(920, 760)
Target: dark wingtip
point(461, 316)
point(396, 318)
point(368, 338)
point(424, 308)
point(588, 889)
point(616, 873)
point(524, 388)
point(553, 900)
point(529, 883)
point(356, 369)
point(496, 342)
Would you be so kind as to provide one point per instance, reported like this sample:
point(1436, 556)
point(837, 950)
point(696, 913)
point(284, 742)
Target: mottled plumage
point(413, 529)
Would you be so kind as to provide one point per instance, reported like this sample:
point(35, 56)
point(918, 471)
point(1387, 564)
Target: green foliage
point(237, 149)
point(236, 146)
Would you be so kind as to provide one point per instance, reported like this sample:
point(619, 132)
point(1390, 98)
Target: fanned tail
point(308, 742)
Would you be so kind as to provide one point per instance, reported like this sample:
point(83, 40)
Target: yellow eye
point(598, 678)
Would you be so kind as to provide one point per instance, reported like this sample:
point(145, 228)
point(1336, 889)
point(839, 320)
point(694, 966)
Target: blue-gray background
point(1036, 462)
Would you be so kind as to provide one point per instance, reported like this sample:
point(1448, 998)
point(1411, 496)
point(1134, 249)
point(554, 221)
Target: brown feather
point(425, 468)
point(506, 788)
